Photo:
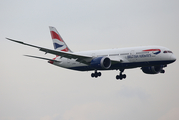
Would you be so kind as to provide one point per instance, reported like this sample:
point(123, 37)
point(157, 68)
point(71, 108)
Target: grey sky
point(33, 89)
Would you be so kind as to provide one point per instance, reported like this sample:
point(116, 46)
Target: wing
point(80, 58)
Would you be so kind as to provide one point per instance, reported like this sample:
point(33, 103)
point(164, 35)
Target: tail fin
point(58, 42)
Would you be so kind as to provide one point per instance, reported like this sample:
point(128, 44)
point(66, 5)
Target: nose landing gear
point(121, 76)
point(96, 74)
point(162, 71)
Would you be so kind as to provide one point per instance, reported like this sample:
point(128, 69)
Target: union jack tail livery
point(58, 42)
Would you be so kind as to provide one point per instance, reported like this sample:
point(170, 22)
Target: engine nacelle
point(101, 63)
point(152, 69)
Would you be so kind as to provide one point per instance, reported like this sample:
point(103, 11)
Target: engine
point(101, 63)
point(153, 69)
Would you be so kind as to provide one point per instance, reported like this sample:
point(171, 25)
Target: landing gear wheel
point(162, 71)
point(96, 74)
point(99, 74)
point(117, 77)
point(92, 75)
point(124, 76)
point(121, 76)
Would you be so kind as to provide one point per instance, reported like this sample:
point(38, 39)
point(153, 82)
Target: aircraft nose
point(173, 58)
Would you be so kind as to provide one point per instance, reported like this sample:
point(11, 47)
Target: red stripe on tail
point(55, 36)
point(65, 50)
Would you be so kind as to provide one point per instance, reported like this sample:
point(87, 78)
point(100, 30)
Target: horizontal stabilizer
point(42, 58)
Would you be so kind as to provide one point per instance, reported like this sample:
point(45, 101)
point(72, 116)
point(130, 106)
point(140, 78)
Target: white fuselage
point(129, 58)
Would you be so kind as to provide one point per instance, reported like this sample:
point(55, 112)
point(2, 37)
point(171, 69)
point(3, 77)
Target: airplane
point(151, 59)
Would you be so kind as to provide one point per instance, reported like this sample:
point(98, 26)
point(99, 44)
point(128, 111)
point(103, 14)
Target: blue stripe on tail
point(57, 45)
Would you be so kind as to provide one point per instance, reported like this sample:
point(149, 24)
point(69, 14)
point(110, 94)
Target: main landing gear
point(96, 74)
point(121, 76)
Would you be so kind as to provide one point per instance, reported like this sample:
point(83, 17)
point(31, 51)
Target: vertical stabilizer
point(58, 42)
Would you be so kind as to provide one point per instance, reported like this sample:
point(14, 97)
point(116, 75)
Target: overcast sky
point(32, 89)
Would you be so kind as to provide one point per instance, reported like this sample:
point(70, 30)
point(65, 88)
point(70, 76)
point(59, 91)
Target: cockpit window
point(167, 51)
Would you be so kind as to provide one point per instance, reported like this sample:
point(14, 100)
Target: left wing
point(80, 58)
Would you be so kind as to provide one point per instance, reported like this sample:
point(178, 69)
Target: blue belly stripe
point(124, 65)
